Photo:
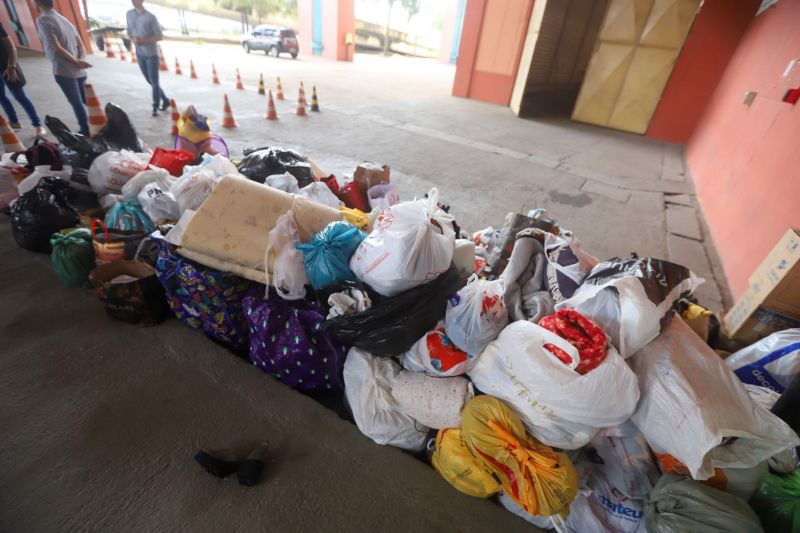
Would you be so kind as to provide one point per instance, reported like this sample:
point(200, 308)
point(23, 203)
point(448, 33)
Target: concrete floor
point(94, 406)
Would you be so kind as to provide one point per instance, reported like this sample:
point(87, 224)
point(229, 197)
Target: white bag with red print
point(111, 170)
point(476, 314)
point(412, 243)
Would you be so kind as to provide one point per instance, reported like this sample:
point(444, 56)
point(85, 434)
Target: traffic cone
point(163, 64)
point(109, 49)
point(122, 56)
point(192, 71)
point(239, 84)
point(261, 89)
point(227, 115)
point(303, 93)
point(133, 56)
point(214, 77)
point(178, 71)
point(301, 105)
point(10, 140)
point(314, 102)
point(279, 95)
point(175, 117)
point(97, 117)
point(271, 113)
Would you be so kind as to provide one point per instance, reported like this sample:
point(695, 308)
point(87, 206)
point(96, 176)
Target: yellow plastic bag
point(356, 217)
point(460, 468)
point(541, 480)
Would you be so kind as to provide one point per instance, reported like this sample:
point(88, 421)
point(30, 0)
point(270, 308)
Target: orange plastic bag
point(456, 464)
point(541, 480)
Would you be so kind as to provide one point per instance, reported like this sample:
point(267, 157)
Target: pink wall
point(491, 45)
point(304, 26)
point(745, 161)
point(338, 19)
point(709, 46)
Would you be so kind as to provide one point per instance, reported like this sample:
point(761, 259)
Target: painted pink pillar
point(338, 19)
point(304, 26)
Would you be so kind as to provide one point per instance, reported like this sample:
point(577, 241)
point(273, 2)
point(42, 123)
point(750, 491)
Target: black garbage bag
point(79, 150)
point(42, 211)
point(258, 163)
point(392, 325)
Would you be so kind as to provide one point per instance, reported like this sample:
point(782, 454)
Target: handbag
point(114, 245)
point(21, 81)
point(138, 299)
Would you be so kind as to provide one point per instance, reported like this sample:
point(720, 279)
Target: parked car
point(274, 40)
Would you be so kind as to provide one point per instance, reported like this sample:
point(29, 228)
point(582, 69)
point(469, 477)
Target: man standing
point(145, 32)
point(64, 49)
point(11, 79)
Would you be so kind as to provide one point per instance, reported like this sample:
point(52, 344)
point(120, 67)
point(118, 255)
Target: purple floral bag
point(204, 298)
point(289, 341)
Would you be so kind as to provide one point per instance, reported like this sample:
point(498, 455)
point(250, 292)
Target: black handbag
point(21, 81)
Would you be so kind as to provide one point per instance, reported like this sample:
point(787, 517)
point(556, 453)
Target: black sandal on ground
point(219, 463)
point(251, 469)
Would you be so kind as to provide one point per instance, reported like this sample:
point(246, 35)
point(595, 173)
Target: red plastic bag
point(580, 332)
point(353, 196)
point(172, 161)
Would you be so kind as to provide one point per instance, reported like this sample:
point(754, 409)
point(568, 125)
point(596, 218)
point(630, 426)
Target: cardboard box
point(772, 301)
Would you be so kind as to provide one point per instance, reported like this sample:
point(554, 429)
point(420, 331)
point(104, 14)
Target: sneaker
point(39, 132)
point(15, 126)
point(155, 112)
point(164, 105)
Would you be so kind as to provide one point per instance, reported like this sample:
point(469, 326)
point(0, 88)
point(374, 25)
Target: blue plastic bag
point(327, 255)
point(129, 217)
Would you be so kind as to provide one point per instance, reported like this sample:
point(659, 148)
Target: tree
point(411, 7)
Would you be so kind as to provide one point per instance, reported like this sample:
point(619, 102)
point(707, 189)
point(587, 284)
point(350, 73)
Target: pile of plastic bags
point(569, 389)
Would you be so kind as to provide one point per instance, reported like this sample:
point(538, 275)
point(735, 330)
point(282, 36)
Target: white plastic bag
point(625, 459)
point(289, 276)
point(40, 171)
point(218, 164)
point(111, 170)
point(152, 175)
point(320, 193)
point(787, 460)
point(772, 362)
point(284, 182)
point(160, 206)
point(437, 355)
point(605, 507)
point(193, 187)
point(567, 264)
point(476, 314)
point(630, 299)
point(411, 244)
point(434, 402)
point(368, 389)
point(558, 406)
point(694, 408)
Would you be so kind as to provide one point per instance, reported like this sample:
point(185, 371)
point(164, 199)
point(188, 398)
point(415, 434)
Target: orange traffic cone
point(133, 56)
point(261, 88)
point(10, 140)
point(239, 84)
point(192, 71)
point(97, 117)
point(214, 77)
point(301, 105)
point(109, 49)
point(122, 56)
point(303, 94)
point(314, 101)
point(279, 95)
point(175, 117)
point(227, 115)
point(271, 113)
point(163, 64)
point(178, 71)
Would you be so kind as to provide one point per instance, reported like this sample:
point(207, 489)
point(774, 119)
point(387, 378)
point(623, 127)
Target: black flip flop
point(218, 463)
point(251, 468)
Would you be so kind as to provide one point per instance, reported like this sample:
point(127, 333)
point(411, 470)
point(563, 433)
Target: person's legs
point(158, 93)
point(27, 105)
point(149, 65)
point(72, 90)
point(81, 89)
point(11, 113)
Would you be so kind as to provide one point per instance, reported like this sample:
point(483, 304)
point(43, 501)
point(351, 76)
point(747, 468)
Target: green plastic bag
point(73, 257)
point(777, 502)
point(683, 505)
